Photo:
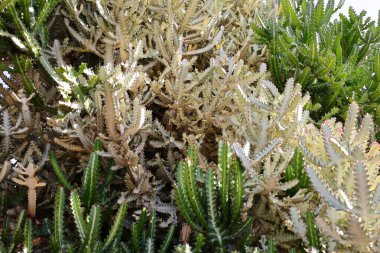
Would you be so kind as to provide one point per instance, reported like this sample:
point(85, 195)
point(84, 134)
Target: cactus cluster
point(188, 126)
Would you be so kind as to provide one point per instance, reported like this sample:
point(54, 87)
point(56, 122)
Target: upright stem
point(32, 202)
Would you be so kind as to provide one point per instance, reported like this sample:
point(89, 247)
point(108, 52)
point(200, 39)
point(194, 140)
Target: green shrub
point(337, 62)
point(211, 201)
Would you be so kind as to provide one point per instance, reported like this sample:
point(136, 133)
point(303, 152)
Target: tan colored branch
point(110, 113)
point(68, 146)
point(4, 170)
point(32, 182)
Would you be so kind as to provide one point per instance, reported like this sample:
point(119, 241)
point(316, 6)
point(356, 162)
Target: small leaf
point(90, 185)
point(271, 246)
point(152, 230)
point(376, 66)
point(168, 239)
point(93, 227)
point(215, 231)
point(293, 59)
point(78, 215)
point(238, 191)
point(28, 245)
point(304, 76)
point(291, 14)
point(224, 162)
point(5, 3)
point(44, 12)
point(58, 172)
point(17, 236)
point(117, 225)
point(312, 232)
point(199, 243)
point(58, 220)
point(295, 171)
point(190, 185)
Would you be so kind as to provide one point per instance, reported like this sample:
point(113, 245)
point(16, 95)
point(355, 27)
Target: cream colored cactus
point(32, 182)
point(343, 161)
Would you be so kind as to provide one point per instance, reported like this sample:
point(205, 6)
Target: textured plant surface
point(336, 61)
point(218, 218)
point(183, 126)
point(344, 170)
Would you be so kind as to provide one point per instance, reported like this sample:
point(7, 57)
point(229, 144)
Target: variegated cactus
point(270, 122)
point(343, 162)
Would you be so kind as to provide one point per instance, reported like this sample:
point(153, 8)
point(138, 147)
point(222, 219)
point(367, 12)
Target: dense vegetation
point(337, 62)
point(188, 126)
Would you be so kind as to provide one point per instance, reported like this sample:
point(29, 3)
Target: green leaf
point(17, 236)
point(152, 233)
point(78, 214)
point(271, 246)
point(168, 239)
point(313, 53)
point(363, 51)
point(2, 249)
point(4, 4)
point(304, 76)
point(4, 199)
point(295, 171)
point(117, 225)
point(90, 180)
point(238, 191)
point(218, 230)
point(292, 58)
point(22, 31)
point(24, 9)
point(45, 64)
point(59, 209)
point(262, 32)
point(215, 231)
point(376, 67)
point(43, 36)
point(326, 66)
point(28, 245)
point(199, 243)
point(241, 229)
point(93, 227)
point(337, 49)
point(275, 69)
point(135, 240)
point(224, 162)
point(44, 12)
point(318, 13)
point(5, 231)
point(183, 204)
point(124, 248)
point(331, 59)
point(328, 115)
point(23, 65)
point(140, 232)
point(312, 233)
point(152, 225)
point(190, 185)
point(58, 172)
point(290, 13)
point(142, 221)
